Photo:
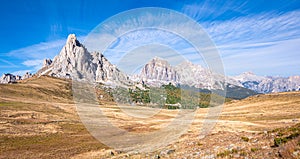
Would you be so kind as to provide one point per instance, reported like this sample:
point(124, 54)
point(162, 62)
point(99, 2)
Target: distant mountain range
point(76, 62)
point(261, 84)
point(159, 71)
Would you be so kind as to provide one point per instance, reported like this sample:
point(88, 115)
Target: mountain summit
point(76, 62)
point(159, 71)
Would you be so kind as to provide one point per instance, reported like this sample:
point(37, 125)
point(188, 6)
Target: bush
point(246, 139)
point(254, 149)
point(279, 141)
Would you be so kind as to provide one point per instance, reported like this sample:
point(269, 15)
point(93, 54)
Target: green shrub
point(254, 149)
point(279, 141)
point(246, 139)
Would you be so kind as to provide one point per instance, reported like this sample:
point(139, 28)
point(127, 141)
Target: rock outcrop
point(8, 78)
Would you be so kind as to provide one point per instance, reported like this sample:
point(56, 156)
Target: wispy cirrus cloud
point(35, 64)
point(38, 51)
point(30, 58)
point(268, 27)
point(265, 43)
point(280, 58)
point(6, 64)
point(203, 10)
point(153, 26)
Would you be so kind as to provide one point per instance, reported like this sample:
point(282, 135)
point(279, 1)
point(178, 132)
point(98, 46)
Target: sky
point(255, 35)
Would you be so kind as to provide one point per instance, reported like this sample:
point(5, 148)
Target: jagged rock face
point(8, 78)
point(194, 75)
point(107, 72)
point(47, 62)
point(159, 71)
point(74, 61)
point(200, 77)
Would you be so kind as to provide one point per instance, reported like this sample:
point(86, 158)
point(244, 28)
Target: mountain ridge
point(75, 60)
point(269, 84)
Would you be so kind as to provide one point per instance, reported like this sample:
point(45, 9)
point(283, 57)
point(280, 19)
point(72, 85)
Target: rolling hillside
point(38, 120)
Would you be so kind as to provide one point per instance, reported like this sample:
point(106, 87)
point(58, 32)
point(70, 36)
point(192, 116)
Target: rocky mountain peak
point(160, 61)
point(249, 76)
point(72, 41)
point(159, 70)
point(76, 62)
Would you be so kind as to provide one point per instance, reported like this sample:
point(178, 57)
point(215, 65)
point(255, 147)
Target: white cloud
point(212, 9)
point(21, 72)
point(166, 28)
point(32, 62)
point(257, 42)
point(38, 51)
point(281, 58)
point(35, 64)
point(265, 44)
point(268, 27)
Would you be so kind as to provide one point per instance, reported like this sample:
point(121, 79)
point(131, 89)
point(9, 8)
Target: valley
point(39, 120)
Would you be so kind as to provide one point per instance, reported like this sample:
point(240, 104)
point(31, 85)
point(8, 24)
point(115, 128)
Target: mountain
point(249, 76)
point(200, 77)
point(194, 75)
point(158, 72)
point(261, 84)
point(76, 62)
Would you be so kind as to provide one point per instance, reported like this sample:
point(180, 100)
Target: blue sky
point(255, 35)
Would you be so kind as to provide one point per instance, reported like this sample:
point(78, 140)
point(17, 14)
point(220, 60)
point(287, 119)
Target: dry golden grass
point(38, 120)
